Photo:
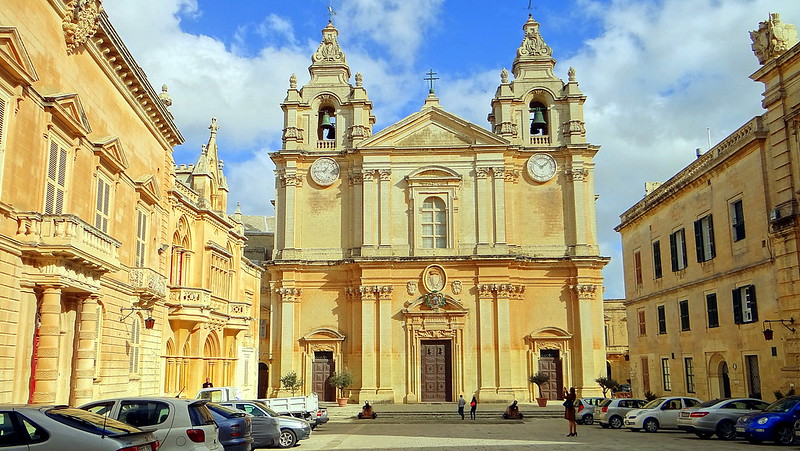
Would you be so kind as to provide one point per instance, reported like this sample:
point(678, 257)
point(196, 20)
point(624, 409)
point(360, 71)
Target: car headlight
point(762, 420)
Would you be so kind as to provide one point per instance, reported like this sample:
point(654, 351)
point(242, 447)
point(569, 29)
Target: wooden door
point(263, 380)
point(436, 371)
point(753, 376)
point(550, 364)
point(322, 368)
point(645, 375)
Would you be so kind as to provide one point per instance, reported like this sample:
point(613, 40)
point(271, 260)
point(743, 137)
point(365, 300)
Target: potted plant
point(539, 379)
point(341, 381)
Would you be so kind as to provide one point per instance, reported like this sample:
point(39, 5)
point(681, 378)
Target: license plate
point(739, 429)
point(684, 414)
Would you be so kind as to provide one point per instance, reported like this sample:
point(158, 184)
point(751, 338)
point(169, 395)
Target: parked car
point(63, 428)
point(584, 409)
point(775, 423)
point(611, 412)
point(292, 429)
point(321, 417)
point(179, 424)
point(718, 416)
point(235, 427)
point(660, 413)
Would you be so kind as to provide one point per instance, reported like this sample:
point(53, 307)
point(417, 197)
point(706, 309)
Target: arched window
point(434, 223)
point(135, 341)
point(539, 119)
point(327, 124)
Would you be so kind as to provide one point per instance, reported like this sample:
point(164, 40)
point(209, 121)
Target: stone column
point(487, 348)
point(287, 335)
point(368, 296)
point(586, 342)
point(504, 356)
point(482, 206)
point(23, 346)
point(291, 181)
point(385, 210)
point(87, 354)
point(499, 210)
point(385, 362)
point(48, 349)
point(576, 177)
point(357, 213)
point(370, 211)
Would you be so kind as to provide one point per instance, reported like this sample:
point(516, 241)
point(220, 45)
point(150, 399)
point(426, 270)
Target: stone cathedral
point(435, 257)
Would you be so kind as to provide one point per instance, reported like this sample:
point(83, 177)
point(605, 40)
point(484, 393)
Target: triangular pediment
point(111, 153)
point(433, 127)
point(14, 58)
point(68, 109)
point(147, 187)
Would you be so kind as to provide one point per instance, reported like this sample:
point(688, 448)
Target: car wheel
point(703, 435)
point(650, 425)
point(588, 419)
point(784, 435)
point(726, 430)
point(615, 422)
point(287, 438)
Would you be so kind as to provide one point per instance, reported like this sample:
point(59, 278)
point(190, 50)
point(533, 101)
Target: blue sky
point(657, 74)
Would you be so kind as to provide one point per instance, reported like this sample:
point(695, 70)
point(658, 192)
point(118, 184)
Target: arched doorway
point(725, 380)
point(263, 380)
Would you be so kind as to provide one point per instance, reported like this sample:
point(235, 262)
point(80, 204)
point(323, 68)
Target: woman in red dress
point(569, 411)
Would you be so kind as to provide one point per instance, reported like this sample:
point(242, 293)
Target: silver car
point(611, 412)
point(718, 416)
point(585, 408)
point(62, 428)
point(292, 429)
point(179, 424)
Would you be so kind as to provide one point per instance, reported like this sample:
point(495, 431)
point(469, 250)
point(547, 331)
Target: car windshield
point(784, 405)
point(654, 403)
point(225, 411)
point(710, 403)
point(90, 422)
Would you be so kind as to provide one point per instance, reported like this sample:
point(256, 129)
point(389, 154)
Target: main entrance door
point(321, 370)
point(436, 371)
point(550, 364)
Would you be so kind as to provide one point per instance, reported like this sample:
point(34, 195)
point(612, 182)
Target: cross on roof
point(431, 76)
point(331, 12)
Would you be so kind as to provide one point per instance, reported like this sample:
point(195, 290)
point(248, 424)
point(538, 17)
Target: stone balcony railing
point(68, 236)
point(189, 304)
point(148, 284)
point(540, 140)
point(326, 144)
point(239, 313)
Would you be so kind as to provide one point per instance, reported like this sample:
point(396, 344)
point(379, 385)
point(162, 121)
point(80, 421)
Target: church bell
point(538, 124)
point(327, 125)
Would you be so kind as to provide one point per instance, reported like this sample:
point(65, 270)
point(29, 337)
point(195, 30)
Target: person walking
point(569, 411)
point(473, 405)
point(461, 403)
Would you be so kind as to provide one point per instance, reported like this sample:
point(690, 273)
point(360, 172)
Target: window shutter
point(737, 307)
point(751, 302)
point(711, 235)
point(2, 121)
point(698, 240)
point(673, 252)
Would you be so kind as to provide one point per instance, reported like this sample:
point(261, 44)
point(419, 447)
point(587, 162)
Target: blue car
point(775, 423)
point(235, 427)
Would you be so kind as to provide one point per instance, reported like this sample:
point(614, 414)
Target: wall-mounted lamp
point(163, 248)
point(768, 332)
point(149, 322)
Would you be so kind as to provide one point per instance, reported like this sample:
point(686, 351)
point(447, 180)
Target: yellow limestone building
point(119, 274)
point(436, 258)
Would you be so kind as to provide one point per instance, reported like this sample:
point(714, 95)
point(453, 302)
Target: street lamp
point(149, 322)
point(768, 332)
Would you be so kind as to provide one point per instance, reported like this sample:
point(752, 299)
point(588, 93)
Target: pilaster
point(87, 354)
point(47, 351)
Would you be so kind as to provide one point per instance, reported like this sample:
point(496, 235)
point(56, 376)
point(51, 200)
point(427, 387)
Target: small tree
point(539, 379)
point(779, 395)
point(606, 383)
point(341, 381)
point(648, 395)
point(291, 382)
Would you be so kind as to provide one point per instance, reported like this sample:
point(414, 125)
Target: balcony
point(68, 237)
point(540, 140)
point(150, 286)
point(190, 304)
point(326, 144)
point(239, 313)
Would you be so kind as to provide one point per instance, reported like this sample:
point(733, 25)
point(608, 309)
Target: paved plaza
point(432, 430)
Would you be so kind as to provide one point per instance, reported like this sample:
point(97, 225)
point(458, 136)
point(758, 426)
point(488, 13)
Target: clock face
point(541, 167)
point(325, 171)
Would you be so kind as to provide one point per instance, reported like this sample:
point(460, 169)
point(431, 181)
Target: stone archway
point(322, 350)
point(549, 351)
point(718, 378)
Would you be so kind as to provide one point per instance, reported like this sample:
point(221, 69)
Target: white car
point(660, 413)
point(178, 424)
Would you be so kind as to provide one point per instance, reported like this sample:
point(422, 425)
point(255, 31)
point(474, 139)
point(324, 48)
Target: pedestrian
point(473, 405)
point(207, 383)
point(461, 403)
point(569, 411)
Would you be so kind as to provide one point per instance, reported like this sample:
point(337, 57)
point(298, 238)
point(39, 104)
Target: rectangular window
point(662, 320)
point(56, 184)
point(745, 309)
point(704, 238)
point(645, 374)
point(665, 374)
point(101, 211)
point(677, 249)
point(141, 238)
point(657, 273)
point(711, 309)
point(689, 366)
point(683, 306)
point(737, 220)
point(642, 324)
point(637, 267)
point(134, 340)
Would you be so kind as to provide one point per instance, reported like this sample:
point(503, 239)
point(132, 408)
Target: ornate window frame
point(433, 181)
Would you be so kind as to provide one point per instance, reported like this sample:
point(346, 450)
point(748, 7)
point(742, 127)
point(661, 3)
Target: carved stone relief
point(456, 286)
point(80, 22)
point(411, 287)
point(434, 278)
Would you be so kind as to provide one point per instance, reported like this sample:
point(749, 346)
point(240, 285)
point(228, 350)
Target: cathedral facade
point(435, 257)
